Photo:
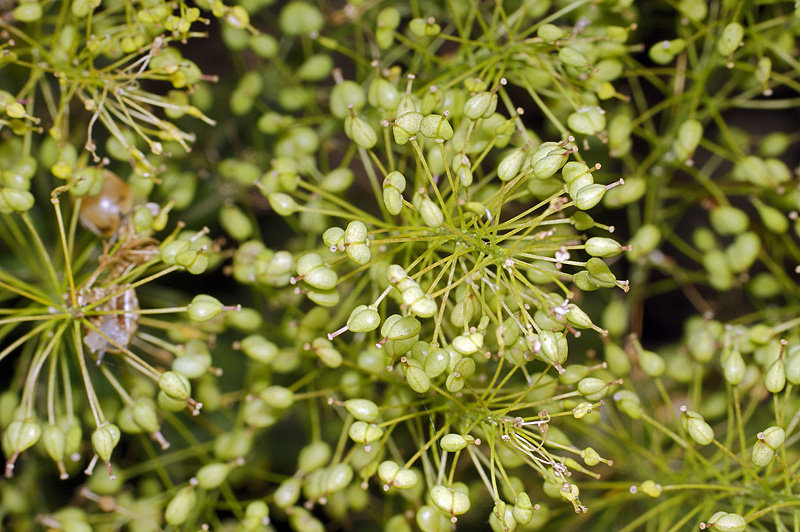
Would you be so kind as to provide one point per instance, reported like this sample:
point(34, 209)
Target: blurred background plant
point(399, 266)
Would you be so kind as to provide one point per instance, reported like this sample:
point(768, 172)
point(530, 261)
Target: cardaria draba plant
point(410, 191)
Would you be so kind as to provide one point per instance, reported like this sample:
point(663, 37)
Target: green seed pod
point(700, 431)
point(468, 344)
point(587, 121)
point(256, 516)
point(346, 94)
point(652, 364)
point(316, 68)
point(730, 39)
point(584, 282)
point(482, 105)
point(165, 402)
point(431, 214)
point(728, 220)
point(300, 18)
point(773, 219)
point(418, 380)
point(773, 437)
point(30, 12)
point(282, 204)
point(603, 247)
point(235, 222)
point(617, 197)
point(277, 397)
point(629, 403)
point(437, 362)
point(13, 200)
point(577, 317)
point(422, 28)
point(574, 170)
point(455, 442)
point(451, 501)
point(362, 432)
point(193, 261)
point(553, 348)
point(454, 383)
point(360, 132)
point(264, 46)
point(338, 477)
point(550, 33)
point(523, 509)
point(664, 52)
point(363, 319)
point(617, 359)
point(593, 389)
point(259, 348)
point(734, 368)
point(646, 239)
point(104, 439)
point(175, 385)
point(727, 522)
point(573, 58)
point(502, 518)
point(181, 506)
point(775, 377)
point(401, 328)
point(619, 135)
point(431, 519)
point(720, 276)
point(690, 133)
point(548, 165)
point(313, 456)
point(144, 414)
point(302, 520)
point(362, 409)
point(792, 366)
point(583, 181)
point(589, 196)
point(211, 476)
point(21, 434)
point(406, 126)
point(511, 164)
point(762, 455)
point(600, 273)
point(436, 127)
point(55, 443)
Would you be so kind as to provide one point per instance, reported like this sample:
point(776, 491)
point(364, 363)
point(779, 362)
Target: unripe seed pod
point(468, 344)
point(726, 522)
point(792, 366)
point(211, 476)
point(360, 132)
point(728, 220)
point(573, 58)
point(664, 52)
point(104, 439)
point(338, 477)
point(773, 219)
point(730, 39)
point(431, 214)
point(418, 380)
point(550, 33)
point(401, 329)
point(313, 456)
point(573, 170)
point(646, 239)
point(734, 368)
point(583, 281)
point(363, 319)
point(482, 105)
point(629, 403)
point(181, 506)
point(696, 426)
point(773, 437)
point(256, 516)
point(775, 377)
point(452, 501)
point(259, 348)
point(194, 261)
point(282, 204)
point(169, 404)
point(455, 442)
point(523, 509)
point(362, 432)
point(362, 409)
point(651, 363)
point(277, 397)
point(603, 247)
point(55, 442)
point(589, 196)
point(587, 121)
point(436, 127)
point(13, 200)
point(577, 317)
point(406, 126)
point(511, 164)
point(600, 272)
point(144, 414)
point(720, 276)
point(578, 183)
point(548, 165)
point(690, 133)
point(175, 385)
point(592, 388)
point(436, 362)
point(21, 434)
